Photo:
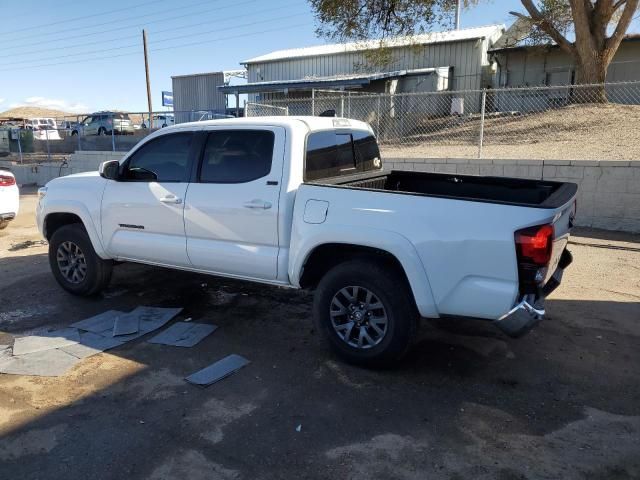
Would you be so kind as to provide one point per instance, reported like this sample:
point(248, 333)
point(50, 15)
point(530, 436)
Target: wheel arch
point(316, 258)
point(57, 216)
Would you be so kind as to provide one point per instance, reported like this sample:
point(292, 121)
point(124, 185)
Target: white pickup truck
point(304, 202)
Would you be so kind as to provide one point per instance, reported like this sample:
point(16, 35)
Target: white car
point(9, 198)
point(304, 202)
point(160, 121)
point(43, 128)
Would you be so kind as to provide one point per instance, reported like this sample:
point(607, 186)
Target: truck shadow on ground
point(129, 413)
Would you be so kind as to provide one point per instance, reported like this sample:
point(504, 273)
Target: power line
point(135, 45)
point(45, 25)
point(119, 20)
point(127, 37)
point(220, 39)
point(134, 25)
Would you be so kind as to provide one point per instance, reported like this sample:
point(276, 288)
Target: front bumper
point(5, 217)
point(529, 311)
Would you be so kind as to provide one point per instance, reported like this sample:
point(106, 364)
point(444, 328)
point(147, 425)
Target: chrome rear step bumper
point(522, 317)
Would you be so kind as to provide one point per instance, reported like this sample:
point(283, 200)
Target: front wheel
point(366, 312)
point(4, 224)
point(75, 264)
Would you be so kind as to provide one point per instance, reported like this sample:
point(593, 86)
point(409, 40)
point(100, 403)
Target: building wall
point(531, 67)
point(197, 92)
point(466, 57)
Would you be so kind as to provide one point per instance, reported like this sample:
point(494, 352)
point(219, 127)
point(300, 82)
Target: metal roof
point(355, 81)
point(630, 37)
point(422, 39)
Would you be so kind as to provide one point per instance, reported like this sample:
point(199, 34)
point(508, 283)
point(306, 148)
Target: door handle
point(257, 204)
point(171, 199)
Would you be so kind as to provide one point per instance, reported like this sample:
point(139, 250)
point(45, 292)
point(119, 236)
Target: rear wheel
point(102, 131)
point(74, 262)
point(366, 312)
point(4, 224)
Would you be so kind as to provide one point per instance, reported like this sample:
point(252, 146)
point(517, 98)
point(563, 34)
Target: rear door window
point(237, 156)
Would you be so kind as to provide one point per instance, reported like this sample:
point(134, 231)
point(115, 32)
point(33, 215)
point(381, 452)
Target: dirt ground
point(562, 402)
point(575, 132)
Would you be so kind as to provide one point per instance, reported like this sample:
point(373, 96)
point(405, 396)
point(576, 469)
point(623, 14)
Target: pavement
point(467, 402)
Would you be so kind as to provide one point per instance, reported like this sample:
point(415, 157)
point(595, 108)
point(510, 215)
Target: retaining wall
point(608, 191)
point(40, 173)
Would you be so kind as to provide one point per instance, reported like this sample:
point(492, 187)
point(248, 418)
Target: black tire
point(97, 272)
point(391, 289)
point(74, 133)
point(102, 131)
point(4, 224)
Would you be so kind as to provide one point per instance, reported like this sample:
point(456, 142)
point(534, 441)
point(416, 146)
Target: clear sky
point(86, 55)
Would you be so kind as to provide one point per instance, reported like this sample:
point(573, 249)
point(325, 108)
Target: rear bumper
point(522, 317)
point(530, 309)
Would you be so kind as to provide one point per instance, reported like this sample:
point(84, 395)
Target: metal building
point(197, 96)
point(523, 66)
point(453, 60)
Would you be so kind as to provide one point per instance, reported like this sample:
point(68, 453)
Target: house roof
point(422, 39)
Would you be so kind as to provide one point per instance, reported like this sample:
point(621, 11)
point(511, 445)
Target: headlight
point(42, 191)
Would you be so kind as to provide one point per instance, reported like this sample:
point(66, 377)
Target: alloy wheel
point(358, 317)
point(71, 262)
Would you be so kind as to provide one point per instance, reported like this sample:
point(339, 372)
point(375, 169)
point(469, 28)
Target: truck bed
point(508, 191)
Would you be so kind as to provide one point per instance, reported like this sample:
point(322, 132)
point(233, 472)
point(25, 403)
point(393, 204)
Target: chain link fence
point(574, 122)
point(592, 122)
point(47, 137)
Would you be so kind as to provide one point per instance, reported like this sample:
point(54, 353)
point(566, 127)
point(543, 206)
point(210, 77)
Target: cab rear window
point(334, 153)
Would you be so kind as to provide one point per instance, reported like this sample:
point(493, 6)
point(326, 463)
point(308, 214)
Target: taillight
point(534, 245)
point(7, 181)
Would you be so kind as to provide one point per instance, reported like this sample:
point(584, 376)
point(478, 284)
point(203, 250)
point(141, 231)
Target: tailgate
point(562, 224)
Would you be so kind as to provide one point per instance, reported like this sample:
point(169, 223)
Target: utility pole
point(458, 7)
point(146, 71)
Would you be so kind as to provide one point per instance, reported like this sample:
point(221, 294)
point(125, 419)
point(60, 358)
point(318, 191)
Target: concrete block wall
point(608, 191)
point(42, 172)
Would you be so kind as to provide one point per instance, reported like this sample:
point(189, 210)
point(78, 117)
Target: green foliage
point(363, 19)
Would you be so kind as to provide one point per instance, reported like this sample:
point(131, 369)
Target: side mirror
point(110, 169)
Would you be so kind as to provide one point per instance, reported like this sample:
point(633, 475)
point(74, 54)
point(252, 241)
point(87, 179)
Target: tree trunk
point(591, 69)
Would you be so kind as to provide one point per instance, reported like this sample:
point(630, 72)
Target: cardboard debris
point(92, 344)
point(149, 319)
point(98, 323)
point(45, 341)
point(182, 334)
point(126, 324)
point(218, 370)
point(47, 363)
point(51, 354)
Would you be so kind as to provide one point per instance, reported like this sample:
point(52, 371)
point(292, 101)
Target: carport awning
point(339, 81)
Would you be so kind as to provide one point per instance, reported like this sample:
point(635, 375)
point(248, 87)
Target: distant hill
point(34, 112)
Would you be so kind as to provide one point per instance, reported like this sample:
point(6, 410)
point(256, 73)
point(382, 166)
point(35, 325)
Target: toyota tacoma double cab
point(304, 202)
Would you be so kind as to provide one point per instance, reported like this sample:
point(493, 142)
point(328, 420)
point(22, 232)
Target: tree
point(598, 26)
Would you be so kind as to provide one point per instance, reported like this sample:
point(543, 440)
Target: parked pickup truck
point(304, 202)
